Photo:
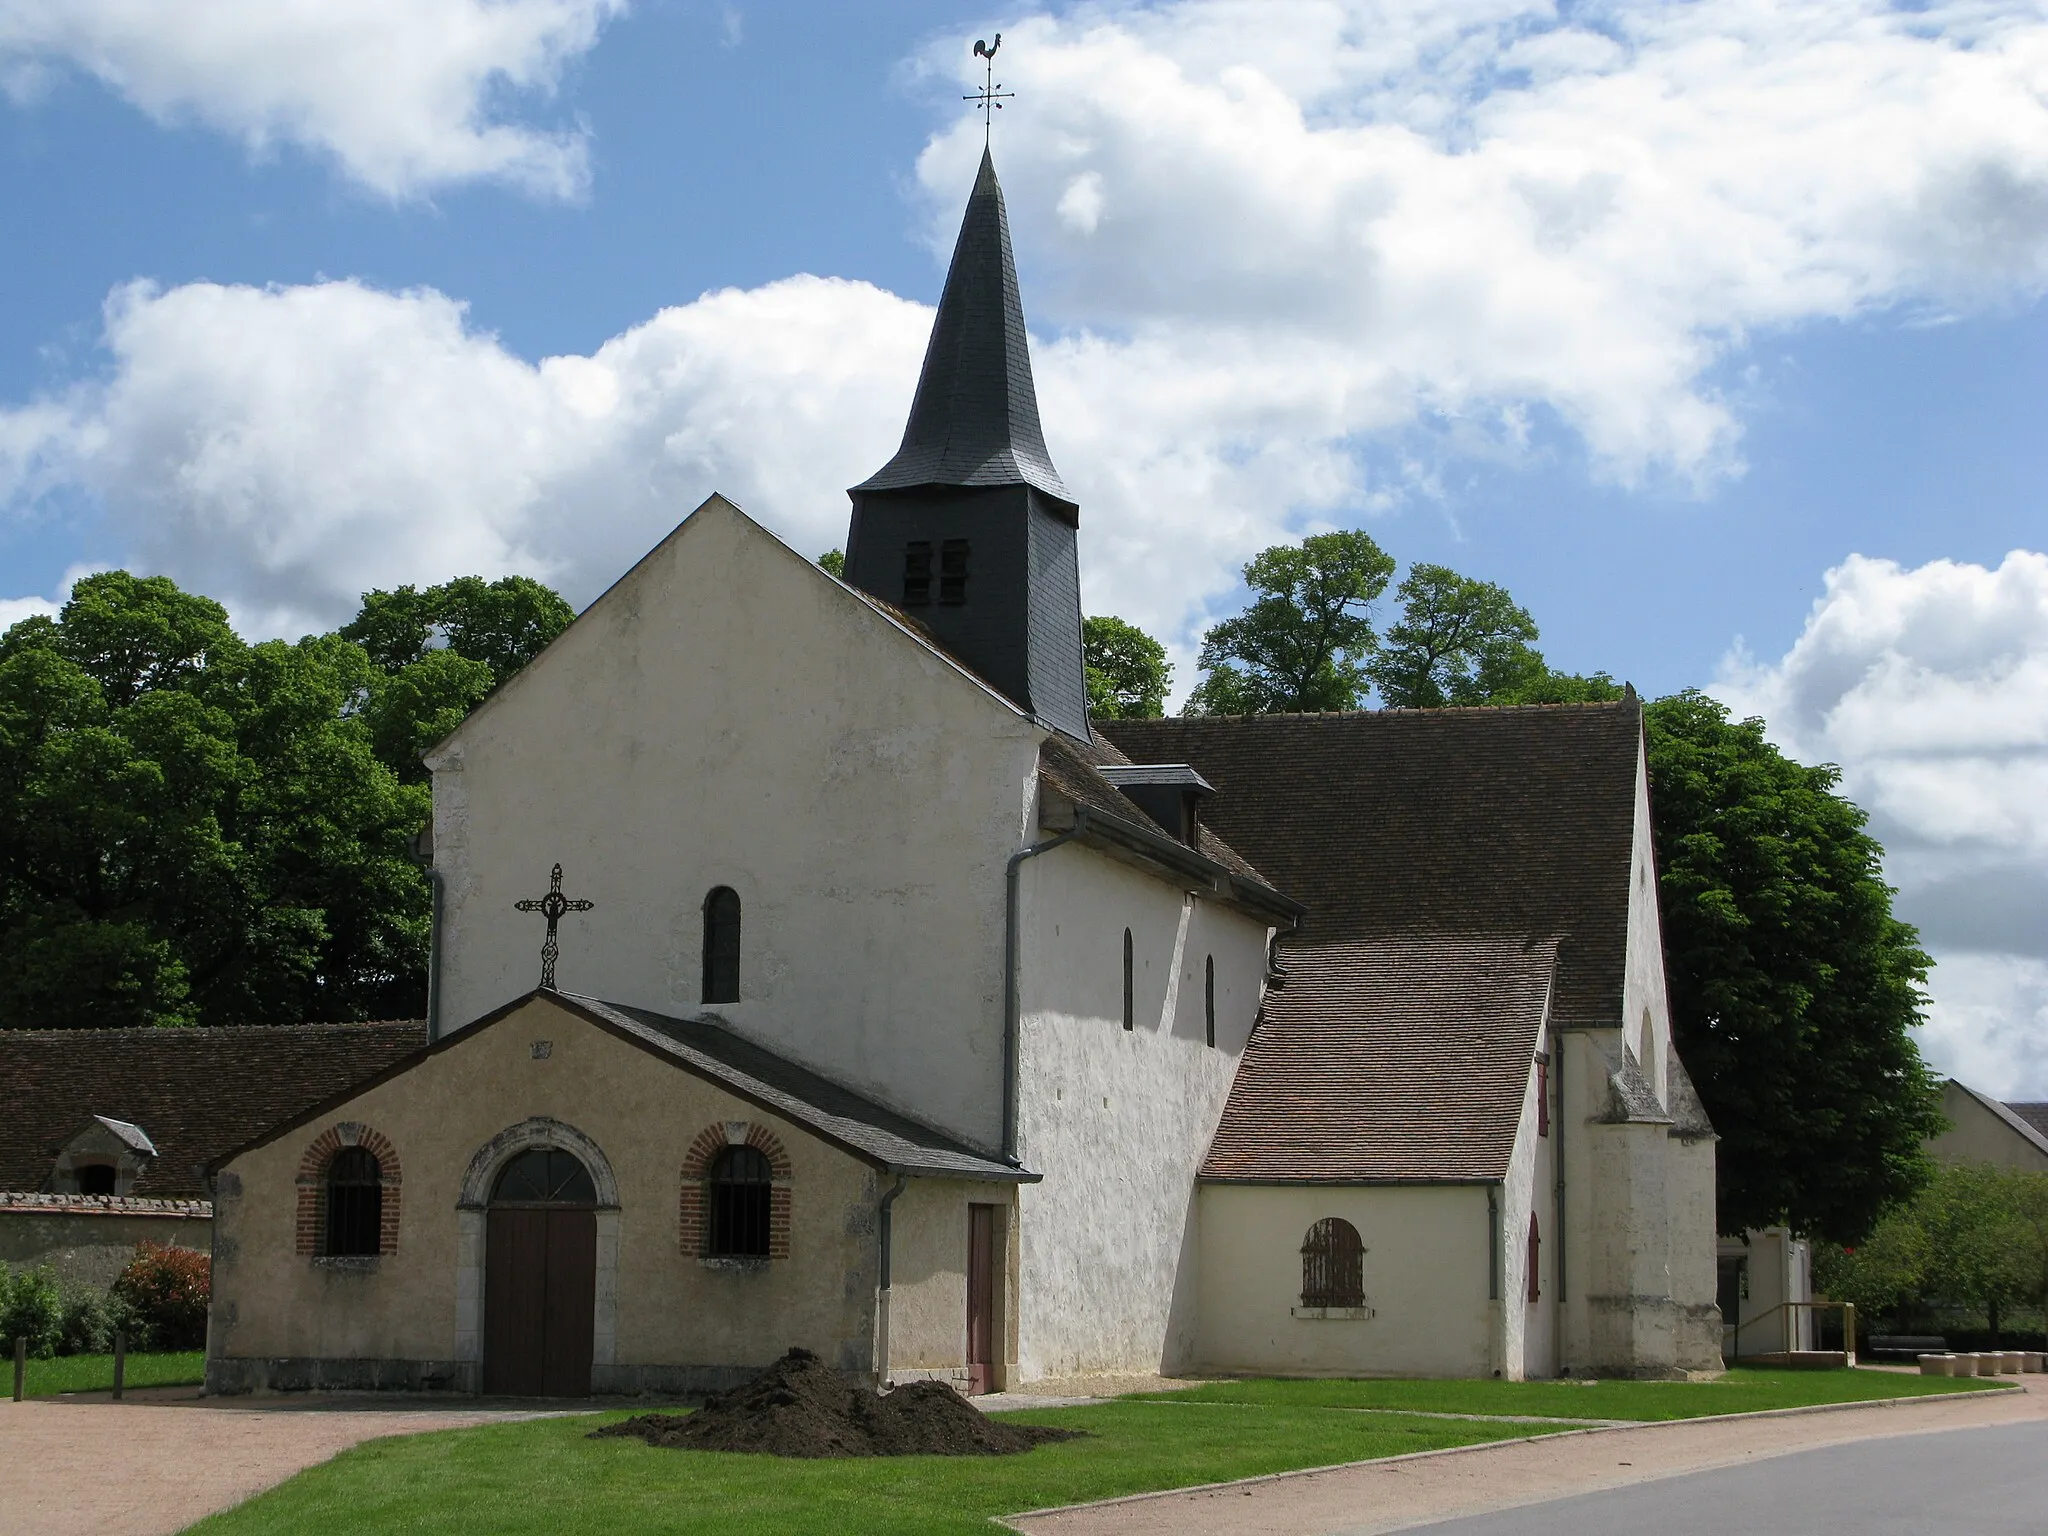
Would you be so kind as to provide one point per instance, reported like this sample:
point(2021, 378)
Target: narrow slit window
point(740, 1179)
point(1542, 1098)
point(1130, 1007)
point(1209, 997)
point(355, 1204)
point(1535, 1260)
point(722, 946)
point(917, 573)
point(953, 571)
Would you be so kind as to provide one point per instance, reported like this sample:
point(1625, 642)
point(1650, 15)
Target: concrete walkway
point(1407, 1492)
point(87, 1466)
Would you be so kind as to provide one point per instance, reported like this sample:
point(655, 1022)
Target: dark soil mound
point(800, 1406)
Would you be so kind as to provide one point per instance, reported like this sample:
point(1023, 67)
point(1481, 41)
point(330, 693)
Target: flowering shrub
point(168, 1288)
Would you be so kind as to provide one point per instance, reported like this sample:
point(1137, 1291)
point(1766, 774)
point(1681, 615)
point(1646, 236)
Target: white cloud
point(14, 609)
point(406, 95)
point(1929, 686)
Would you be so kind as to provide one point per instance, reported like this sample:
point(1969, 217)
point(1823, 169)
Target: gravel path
point(87, 1466)
point(1411, 1491)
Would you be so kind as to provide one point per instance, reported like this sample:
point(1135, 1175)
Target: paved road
point(1964, 1482)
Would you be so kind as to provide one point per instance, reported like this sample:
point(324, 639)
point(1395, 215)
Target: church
point(889, 1006)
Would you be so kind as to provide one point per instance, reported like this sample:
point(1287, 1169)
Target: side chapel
point(927, 1023)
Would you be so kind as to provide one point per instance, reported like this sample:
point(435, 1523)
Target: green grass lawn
point(95, 1373)
point(1740, 1391)
point(546, 1476)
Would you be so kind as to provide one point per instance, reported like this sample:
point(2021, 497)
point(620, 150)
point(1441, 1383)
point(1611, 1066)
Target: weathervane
point(991, 96)
point(551, 907)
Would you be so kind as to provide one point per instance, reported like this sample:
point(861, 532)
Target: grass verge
point(546, 1476)
point(1739, 1391)
point(95, 1373)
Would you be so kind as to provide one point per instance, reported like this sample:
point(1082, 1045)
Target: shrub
point(168, 1289)
point(31, 1308)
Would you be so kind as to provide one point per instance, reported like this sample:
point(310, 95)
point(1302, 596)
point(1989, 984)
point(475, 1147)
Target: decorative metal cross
point(551, 907)
point(991, 96)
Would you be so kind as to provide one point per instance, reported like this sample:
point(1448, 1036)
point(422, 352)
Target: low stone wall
point(230, 1376)
point(89, 1239)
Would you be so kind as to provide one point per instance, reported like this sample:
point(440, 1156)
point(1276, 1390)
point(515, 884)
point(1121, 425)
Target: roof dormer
point(1170, 793)
point(104, 1156)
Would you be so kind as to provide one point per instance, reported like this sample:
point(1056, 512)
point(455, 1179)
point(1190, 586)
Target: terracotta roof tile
point(1396, 1059)
point(195, 1092)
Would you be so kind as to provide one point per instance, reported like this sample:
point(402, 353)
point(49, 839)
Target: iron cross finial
point(991, 96)
point(552, 907)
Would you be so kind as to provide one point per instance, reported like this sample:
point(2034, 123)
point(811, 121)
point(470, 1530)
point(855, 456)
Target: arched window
point(355, 1204)
point(1209, 996)
point(95, 1178)
point(740, 1178)
point(722, 946)
point(1130, 1009)
point(1535, 1259)
point(1332, 1265)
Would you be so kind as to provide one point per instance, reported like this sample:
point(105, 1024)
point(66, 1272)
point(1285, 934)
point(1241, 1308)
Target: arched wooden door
point(540, 1277)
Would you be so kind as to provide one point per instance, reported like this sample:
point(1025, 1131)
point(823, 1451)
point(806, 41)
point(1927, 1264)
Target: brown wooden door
point(540, 1299)
point(981, 1297)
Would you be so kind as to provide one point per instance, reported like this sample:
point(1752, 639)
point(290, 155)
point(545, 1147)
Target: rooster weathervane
point(991, 96)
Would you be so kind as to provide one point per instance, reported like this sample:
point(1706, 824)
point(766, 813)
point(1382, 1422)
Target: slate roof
point(799, 1094)
point(2035, 1115)
point(1507, 822)
point(974, 420)
point(1401, 1059)
point(195, 1093)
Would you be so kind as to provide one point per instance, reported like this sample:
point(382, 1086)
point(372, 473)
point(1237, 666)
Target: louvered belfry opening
point(1333, 1265)
point(740, 1180)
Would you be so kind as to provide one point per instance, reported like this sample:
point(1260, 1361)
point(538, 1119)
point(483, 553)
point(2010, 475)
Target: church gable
point(730, 719)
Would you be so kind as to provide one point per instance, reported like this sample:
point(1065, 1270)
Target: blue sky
point(1657, 315)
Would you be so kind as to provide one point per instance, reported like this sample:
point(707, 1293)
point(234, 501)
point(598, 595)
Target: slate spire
point(974, 421)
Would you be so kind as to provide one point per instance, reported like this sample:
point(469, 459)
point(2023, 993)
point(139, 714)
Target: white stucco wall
point(1528, 1329)
point(1426, 1281)
point(1118, 1121)
point(729, 715)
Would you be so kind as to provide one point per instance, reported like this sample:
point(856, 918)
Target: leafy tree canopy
point(1128, 673)
point(834, 560)
point(1793, 988)
point(1974, 1239)
point(1303, 643)
point(1459, 641)
point(194, 829)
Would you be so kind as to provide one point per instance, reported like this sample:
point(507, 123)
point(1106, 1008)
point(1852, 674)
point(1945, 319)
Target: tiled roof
point(1515, 821)
point(32, 1203)
point(1395, 1059)
point(801, 1095)
point(195, 1092)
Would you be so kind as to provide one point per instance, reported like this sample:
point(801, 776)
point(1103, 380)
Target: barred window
point(917, 573)
point(739, 1203)
point(1332, 1265)
point(355, 1204)
point(953, 571)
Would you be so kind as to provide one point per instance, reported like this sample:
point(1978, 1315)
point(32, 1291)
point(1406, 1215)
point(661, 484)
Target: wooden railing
point(1734, 1334)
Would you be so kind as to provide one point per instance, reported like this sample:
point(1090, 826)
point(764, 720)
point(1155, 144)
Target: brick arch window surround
point(719, 1210)
point(324, 1168)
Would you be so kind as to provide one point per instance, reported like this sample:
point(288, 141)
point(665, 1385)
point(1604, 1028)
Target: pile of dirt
point(800, 1406)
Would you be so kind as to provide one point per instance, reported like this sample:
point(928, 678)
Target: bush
point(168, 1289)
point(31, 1307)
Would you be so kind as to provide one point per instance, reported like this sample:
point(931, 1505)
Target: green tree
point(834, 560)
point(1968, 1241)
point(1793, 988)
point(1303, 643)
point(193, 829)
point(1458, 641)
point(1128, 673)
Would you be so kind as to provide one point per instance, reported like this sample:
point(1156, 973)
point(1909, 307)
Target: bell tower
point(969, 528)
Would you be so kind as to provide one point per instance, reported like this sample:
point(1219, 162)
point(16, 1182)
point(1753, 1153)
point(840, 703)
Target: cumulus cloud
point(1266, 245)
point(1929, 686)
point(406, 95)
